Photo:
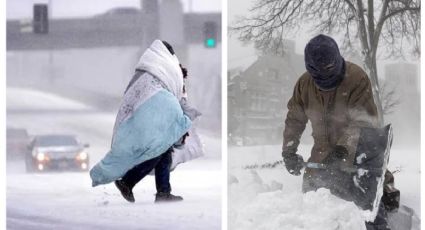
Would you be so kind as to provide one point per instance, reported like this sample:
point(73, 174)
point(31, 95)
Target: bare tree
point(364, 23)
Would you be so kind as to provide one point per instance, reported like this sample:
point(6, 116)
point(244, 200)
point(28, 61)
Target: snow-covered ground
point(272, 198)
point(66, 200)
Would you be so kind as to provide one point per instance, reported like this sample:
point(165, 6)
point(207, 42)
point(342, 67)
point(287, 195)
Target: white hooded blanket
point(150, 119)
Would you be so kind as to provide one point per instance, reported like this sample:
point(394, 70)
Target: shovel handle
point(352, 169)
point(313, 165)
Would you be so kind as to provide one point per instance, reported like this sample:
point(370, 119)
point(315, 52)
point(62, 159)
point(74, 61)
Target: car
point(56, 152)
point(17, 140)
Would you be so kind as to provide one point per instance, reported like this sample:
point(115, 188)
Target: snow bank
point(28, 99)
point(272, 198)
point(258, 205)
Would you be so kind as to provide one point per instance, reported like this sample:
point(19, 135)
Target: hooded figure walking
point(336, 97)
point(153, 119)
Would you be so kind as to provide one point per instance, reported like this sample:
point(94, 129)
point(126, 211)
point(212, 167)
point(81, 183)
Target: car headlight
point(41, 156)
point(82, 156)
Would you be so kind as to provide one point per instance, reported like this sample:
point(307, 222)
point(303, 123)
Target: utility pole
point(51, 63)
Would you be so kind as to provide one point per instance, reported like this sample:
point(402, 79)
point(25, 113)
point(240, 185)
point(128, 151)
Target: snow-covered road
point(66, 200)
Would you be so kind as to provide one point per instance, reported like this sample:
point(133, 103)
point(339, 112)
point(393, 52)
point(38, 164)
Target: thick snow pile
point(257, 205)
point(272, 198)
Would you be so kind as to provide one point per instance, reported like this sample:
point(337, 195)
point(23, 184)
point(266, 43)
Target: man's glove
point(293, 162)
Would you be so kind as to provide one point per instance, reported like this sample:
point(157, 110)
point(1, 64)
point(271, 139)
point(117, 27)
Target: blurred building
point(171, 21)
point(258, 97)
point(403, 79)
point(97, 54)
point(405, 76)
point(150, 11)
point(92, 59)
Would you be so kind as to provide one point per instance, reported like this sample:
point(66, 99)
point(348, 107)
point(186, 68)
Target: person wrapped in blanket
point(153, 121)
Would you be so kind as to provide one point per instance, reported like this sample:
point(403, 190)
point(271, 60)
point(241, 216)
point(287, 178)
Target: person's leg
point(138, 172)
point(391, 197)
point(133, 176)
point(162, 172)
point(162, 179)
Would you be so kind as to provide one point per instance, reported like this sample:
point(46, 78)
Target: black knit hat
point(324, 62)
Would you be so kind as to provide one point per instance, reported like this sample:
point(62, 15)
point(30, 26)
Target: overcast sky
point(17, 9)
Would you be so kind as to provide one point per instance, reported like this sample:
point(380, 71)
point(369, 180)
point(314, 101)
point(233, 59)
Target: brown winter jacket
point(336, 116)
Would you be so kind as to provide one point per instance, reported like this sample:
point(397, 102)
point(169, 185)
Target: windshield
point(56, 141)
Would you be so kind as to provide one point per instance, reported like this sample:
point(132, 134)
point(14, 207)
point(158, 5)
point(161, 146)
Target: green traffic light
point(210, 42)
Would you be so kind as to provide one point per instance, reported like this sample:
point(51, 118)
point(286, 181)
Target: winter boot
point(381, 220)
point(167, 197)
point(391, 196)
point(126, 191)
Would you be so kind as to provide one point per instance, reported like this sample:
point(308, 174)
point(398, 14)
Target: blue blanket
point(153, 127)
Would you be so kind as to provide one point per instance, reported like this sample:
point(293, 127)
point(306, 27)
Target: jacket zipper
point(327, 102)
point(325, 119)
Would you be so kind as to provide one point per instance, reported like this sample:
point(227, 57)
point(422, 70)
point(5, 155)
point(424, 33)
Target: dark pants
point(161, 164)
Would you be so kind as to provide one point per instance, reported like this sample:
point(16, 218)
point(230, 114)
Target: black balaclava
point(324, 62)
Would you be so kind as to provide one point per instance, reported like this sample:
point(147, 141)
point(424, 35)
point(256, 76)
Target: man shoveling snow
point(336, 97)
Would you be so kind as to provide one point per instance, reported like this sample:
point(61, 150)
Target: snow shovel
point(373, 152)
point(363, 182)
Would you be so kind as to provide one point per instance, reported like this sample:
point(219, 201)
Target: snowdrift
point(258, 205)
